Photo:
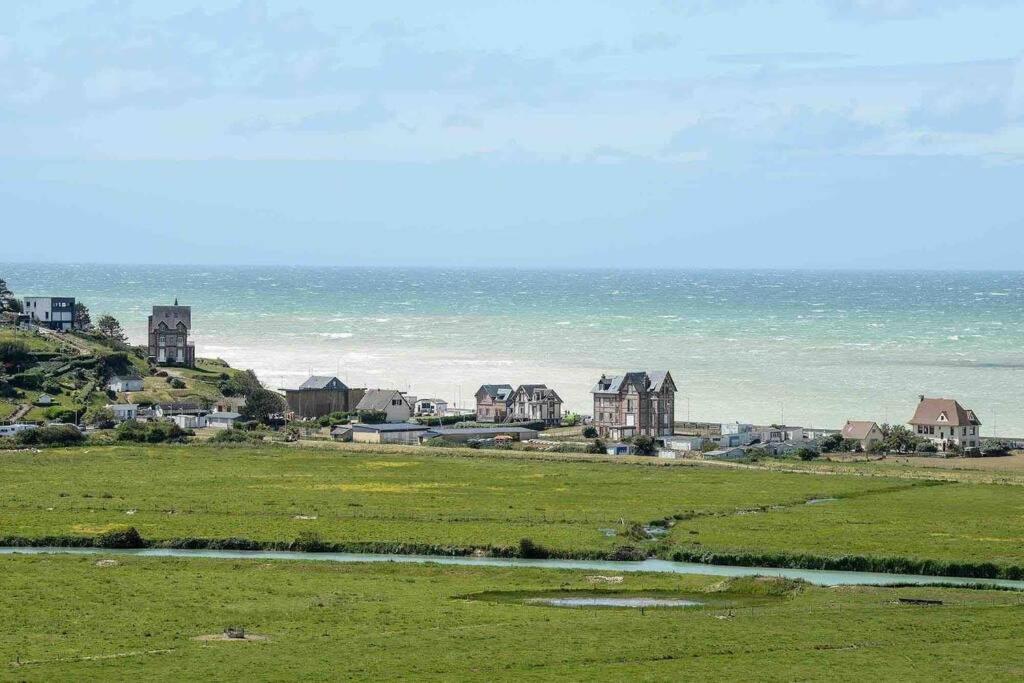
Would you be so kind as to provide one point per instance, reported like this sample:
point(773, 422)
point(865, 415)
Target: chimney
point(921, 398)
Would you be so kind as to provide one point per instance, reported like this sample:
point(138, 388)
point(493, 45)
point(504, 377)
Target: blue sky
point(728, 133)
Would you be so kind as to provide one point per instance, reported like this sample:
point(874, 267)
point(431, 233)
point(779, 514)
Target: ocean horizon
point(805, 347)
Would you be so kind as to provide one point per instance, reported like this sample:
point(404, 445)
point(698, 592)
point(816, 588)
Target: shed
point(398, 432)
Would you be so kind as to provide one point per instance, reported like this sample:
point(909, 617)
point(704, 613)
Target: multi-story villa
point(535, 402)
point(169, 329)
point(946, 423)
point(492, 402)
point(54, 312)
point(635, 404)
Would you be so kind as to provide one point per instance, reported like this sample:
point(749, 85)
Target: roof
point(479, 431)
point(378, 399)
point(321, 382)
point(171, 316)
point(531, 389)
point(224, 415)
point(943, 411)
point(644, 381)
point(432, 400)
point(499, 392)
point(180, 406)
point(859, 430)
point(390, 427)
point(123, 406)
point(341, 429)
point(124, 378)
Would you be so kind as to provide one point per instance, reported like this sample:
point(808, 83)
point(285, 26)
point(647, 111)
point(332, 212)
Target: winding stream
point(815, 576)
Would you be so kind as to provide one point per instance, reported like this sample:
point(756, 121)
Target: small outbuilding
point(123, 411)
point(456, 435)
point(122, 383)
point(222, 420)
point(397, 432)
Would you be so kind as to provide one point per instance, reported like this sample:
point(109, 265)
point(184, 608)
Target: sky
point(708, 133)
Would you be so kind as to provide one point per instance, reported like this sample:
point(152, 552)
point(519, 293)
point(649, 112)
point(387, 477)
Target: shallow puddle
point(819, 501)
point(634, 603)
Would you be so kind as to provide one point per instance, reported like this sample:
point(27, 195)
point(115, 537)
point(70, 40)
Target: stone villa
point(492, 402)
point(635, 404)
point(535, 402)
point(169, 330)
point(946, 423)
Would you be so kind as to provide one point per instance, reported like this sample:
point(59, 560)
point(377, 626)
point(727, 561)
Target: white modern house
point(224, 420)
point(946, 423)
point(123, 411)
point(435, 407)
point(683, 443)
point(121, 383)
point(189, 421)
point(54, 312)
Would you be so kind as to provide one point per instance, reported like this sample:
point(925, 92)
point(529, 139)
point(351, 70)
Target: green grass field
point(80, 618)
point(477, 499)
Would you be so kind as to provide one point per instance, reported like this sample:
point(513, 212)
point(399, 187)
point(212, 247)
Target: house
point(778, 433)
point(54, 312)
point(634, 404)
point(229, 404)
point(123, 411)
point(342, 433)
point(742, 428)
point(121, 383)
point(322, 395)
point(189, 421)
point(11, 430)
point(44, 400)
point(492, 402)
point(946, 423)
point(535, 403)
point(222, 420)
point(684, 443)
point(866, 433)
point(435, 407)
point(463, 435)
point(391, 402)
point(168, 332)
point(394, 432)
point(726, 454)
point(735, 440)
point(619, 449)
point(169, 409)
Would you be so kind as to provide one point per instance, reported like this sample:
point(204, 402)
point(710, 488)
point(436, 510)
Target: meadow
point(141, 619)
point(458, 501)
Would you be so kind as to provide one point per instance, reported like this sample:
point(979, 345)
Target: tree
point(597, 447)
point(806, 453)
point(100, 417)
point(240, 384)
point(82, 319)
point(8, 304)
point(262, 404)
point(644, 445)
point(832, 443)
point(110, 328)
point(900, 439)
point(590, 432)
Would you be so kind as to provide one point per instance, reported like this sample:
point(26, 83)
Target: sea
point(796, 347)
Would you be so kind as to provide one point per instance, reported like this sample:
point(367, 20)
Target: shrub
point(120, 538)
point(61, 414)
point(597, 447)
point(372, 417)
point(444, 420)
point(807, 454)
point(27, 380)
point(644, 445)
point(590, 432)
point(929, 448)
point(570, 420)
point(529, 549)
point(13, 352)
point(176, 382)
point(53, 435)
point(151, 432)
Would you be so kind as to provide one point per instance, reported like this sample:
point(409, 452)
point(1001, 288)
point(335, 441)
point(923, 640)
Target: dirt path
point(20, 412)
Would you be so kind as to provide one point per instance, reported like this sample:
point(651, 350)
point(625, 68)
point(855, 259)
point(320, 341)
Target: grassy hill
point(73, 370)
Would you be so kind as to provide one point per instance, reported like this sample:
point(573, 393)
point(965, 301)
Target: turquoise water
point(812, 348)
point(815, 576)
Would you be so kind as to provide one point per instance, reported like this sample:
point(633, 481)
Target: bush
point(13, 352)
point(120, 538)
point(372, 417)
point(929, 448)
point(28, 380)
point(176, 382)
point(597, 447)
point(570, 420)
point(530, 550)
point(151, 432)
point(53, 435)
point(644, 445)
point(590, 432)
point(444, 420)
point(806, 454)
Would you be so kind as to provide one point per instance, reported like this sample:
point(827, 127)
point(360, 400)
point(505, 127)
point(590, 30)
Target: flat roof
point(390, 427)
point(449, 431)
